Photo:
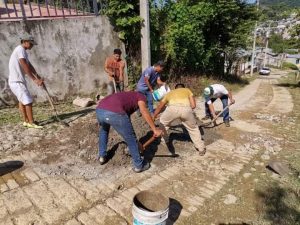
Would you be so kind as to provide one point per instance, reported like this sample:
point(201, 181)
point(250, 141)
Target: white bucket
point(150, 208)
point(159, 93)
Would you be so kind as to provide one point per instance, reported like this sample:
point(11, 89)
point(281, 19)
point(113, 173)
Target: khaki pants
point(187, 117)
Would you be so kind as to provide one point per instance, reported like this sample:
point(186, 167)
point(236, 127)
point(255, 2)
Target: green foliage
point(124, 15)
point(184, 39)
point(191, 35)
point(277, 43)
point(295, 32)
point(196, 35)
point(280, 45)
point(288, 65)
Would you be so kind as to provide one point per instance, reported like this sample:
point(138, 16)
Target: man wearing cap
point(19, 65)
point(115, 110)
point(114, 67)
point(180, 104)
point(149, 78)
point(211, 94)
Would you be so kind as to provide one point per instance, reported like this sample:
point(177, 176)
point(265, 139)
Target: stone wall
point(70, 55)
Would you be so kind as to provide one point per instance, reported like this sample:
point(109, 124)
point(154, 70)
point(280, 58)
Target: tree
point(193, 36)
point(124, 15)
point(196, 35)
point(277, 43)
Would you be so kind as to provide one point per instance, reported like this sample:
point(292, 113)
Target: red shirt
point(122, 102)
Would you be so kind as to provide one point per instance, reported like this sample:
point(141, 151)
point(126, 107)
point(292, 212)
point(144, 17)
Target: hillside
point(290, 3)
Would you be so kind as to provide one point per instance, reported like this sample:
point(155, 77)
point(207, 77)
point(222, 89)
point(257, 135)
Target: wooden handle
point(145, 145)
point(220, 114)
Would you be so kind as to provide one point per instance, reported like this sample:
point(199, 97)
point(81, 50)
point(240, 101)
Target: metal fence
point(37, 9)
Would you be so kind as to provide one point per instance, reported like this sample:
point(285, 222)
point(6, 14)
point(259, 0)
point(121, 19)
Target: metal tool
point(51, 103)
point(214, 120)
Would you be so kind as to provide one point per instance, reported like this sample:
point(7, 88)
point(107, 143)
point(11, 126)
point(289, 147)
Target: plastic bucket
point(150, 208)
point(159, 93)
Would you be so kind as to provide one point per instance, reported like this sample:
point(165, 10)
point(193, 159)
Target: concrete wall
point(70, 54)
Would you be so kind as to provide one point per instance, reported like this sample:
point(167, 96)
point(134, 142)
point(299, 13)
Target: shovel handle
point(219, 114)
point(47, 94)
point(147, 143)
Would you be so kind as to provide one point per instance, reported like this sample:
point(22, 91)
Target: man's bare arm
point(32, 68)
point(29, 70)
point(158, 109)
point(192, 102)
point(148, 84)
point(212, 110)
point(122, 66)
point(146, 115)
point(232, 101)
point(107, 70)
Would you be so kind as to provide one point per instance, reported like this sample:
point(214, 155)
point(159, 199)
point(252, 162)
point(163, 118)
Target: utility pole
point(254, 42)
point(145, 32)
point(267, 43)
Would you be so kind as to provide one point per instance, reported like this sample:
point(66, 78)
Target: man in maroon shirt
point(115, 111)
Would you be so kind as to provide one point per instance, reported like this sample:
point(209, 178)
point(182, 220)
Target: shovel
point(214, 120)
point(51, 103)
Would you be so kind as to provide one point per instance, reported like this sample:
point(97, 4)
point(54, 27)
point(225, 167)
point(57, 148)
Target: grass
point(41, 112)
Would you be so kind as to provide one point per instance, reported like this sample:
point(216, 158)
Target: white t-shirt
point(219, 91)
point(16, 73)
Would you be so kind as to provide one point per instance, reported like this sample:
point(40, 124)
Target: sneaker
point(34, 125)
point(206, 117)
point(227, 123)
point(102, 160)
point(24, 124)
point(145, 167)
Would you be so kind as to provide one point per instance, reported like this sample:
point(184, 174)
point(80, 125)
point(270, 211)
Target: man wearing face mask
point(19, 66)
point(114, 67)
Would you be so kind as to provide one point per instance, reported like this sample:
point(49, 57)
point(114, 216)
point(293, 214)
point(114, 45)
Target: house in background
point(241, 64)
point(295, 59)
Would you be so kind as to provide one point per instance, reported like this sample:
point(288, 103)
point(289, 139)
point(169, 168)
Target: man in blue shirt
point(150, 77)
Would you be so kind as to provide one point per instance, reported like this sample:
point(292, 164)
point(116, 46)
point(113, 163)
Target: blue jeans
point(122, 124)
point(149, 97)
point(224, 100)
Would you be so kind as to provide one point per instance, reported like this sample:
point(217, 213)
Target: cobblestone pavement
point(29, 196)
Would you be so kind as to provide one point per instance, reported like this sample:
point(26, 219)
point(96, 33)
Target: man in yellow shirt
point(180, 104)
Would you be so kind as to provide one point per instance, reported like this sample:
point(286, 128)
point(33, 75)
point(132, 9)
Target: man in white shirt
point(211, 94)
point(19, 65)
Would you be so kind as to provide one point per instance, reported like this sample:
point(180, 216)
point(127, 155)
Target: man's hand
point(232, 101)
point(39, 82)
point(157, 132)
point(214, 116)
